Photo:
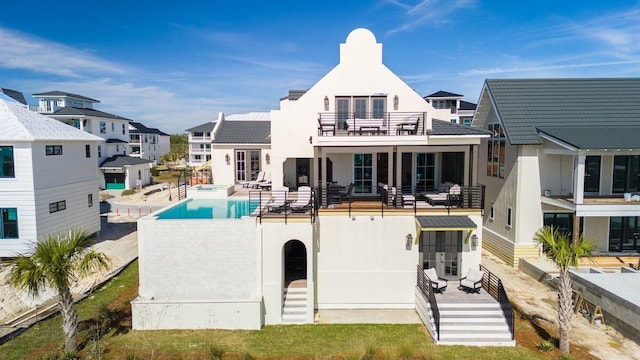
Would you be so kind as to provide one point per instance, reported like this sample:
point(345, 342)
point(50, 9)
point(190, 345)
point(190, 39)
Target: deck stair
point(294, 304)
point(471, 319)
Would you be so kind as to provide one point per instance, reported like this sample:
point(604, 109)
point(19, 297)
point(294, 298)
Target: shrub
point(95, 350)
point(128, 192)
point(545, 345)
point(566, 356)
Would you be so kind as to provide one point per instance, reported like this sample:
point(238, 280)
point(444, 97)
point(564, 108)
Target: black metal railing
point(371, 123)
point(465, 197)
point(282, 204)
point(335, 194)
point(425, 286)
point(493, 285)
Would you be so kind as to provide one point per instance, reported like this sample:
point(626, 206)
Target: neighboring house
point(15, 95)
point(200, 142)
point(147, 143)
point(48, 178)
point(461, 111)
point(359, 128)
point(563, 152)
point(77, 111)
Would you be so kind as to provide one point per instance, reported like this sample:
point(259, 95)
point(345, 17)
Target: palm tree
point(56, 262)
point(564, 254)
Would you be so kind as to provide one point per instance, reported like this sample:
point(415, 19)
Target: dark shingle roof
point(441, 127)
point(294, 94)
point(524, 105)
point(206, 127)
point(442, 94)
point(465, 105)
point(597, 137)
point(71, 110)
point(115, 141)
point(141, 129)
point(15, 95)
point(62, 93)
point(445, 222)
point(244, 132)
point(119, 161)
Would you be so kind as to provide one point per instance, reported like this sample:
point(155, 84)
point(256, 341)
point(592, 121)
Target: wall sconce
point(227, 159)
point(326, 103)
point(310, 139)
point(396, 102)
point(409, 241)
point(474, 240)
point(267, 158)
point(353, 218)
point(371, 218)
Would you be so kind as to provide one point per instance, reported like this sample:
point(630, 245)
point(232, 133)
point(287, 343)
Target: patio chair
point(303, 202)
point(278, 201)
point(439, 284)
point(472, 282)
point(346, 194)
point(255, 183)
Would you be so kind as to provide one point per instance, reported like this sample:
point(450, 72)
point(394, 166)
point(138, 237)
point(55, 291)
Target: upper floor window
point(8, 223)
point(198, 134)
point(53, 150)
point(378, 107)
point(509, 217)
point(625, 173)
point(496, 146)
point(103, 127)
point(113, 127)
point(208, 134)
point(7, 168)
point(99, 151)
point(87, 151)
point(467, 121)
point(122, 129)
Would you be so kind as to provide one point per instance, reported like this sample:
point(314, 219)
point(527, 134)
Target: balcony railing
point(200, 150)
point(376, 123)
point(200, 138)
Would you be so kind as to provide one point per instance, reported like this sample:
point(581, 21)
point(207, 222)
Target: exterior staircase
point(473, 323)
point(294, 304)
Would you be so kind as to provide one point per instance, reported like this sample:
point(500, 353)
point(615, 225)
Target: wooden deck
point(452, 295)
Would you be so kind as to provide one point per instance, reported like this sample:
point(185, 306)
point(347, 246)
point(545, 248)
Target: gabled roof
point(16, 95)
point(443, 94)
point(441, 127)
point(206, 127)
point(596, 137)
point(115, 141)
point(294, 95)
point(244, 132)
point(71, 110)
point(524, 105)
point(141, 129)
point(119, 161)
point(62, 93)
point(21, 124)
point(465, 105)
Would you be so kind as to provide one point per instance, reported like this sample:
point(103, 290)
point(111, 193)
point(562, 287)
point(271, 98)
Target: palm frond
point(92, 261)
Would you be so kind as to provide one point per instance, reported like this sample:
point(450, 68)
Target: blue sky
point(176, 66)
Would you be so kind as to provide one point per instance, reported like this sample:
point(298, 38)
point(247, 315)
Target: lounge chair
point(438, 283)
point(256, 182)
point(278, 201)
point(303, 201)
point(472, 282)
point(449, 197)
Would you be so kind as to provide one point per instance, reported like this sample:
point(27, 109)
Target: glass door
point(442, 251)
point(241, 165)
point(363, 173)
point(592, 174)
point(342, 112)
point(425, 172)
point(255, 164)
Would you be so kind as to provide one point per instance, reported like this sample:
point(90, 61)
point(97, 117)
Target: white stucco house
point(461, 111)
point(77, 111)
point(562, 152)
point(393, 190)
point(148, 143)
point(48, 178)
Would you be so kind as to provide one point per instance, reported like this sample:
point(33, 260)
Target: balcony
point(200, 138)
point(368, 124)
point(597, 205)
point(198, 150)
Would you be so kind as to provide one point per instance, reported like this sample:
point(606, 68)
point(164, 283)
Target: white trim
point(557, 141)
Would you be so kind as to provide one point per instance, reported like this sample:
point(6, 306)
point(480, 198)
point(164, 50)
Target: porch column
point(323, 185)
point(398, 168)
point(467, 166)
point(578, 179)
point(389, 167)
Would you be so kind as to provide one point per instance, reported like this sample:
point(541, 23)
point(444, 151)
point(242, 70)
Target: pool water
point(210, 209)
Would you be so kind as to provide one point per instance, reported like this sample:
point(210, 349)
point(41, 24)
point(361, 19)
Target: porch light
point(267, 158)
point(227, 158)
point(409, 241)
point(326, 103)
point(396, 101)
point(474, 240)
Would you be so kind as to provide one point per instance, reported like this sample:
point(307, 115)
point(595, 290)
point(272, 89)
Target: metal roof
point(206, 127)
point(66, 94)
point(441, 127)
point(119, 161)
point(465, 105)
point(294, 94)
point(444, 94)
point(244, 132)
point(71, 110)
point(142, 129)
point(594, 137)
point(453, 222)
point(14, 94)
point(523, 105)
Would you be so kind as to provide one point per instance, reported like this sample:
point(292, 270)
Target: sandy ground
point(540, 302)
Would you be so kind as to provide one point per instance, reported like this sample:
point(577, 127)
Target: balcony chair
point(472, 282)
point(303, 202)
point(278, 201)
point(437, 283)
point(325, 127)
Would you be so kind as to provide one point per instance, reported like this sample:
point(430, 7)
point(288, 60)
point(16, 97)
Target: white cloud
point(427, 12)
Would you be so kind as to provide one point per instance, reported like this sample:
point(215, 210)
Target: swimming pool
point(210, 209)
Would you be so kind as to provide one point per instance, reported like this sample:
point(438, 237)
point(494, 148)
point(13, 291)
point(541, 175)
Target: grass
point(320, 341)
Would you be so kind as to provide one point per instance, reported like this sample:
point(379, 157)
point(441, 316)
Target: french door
point(363, 173)
point(442, 250)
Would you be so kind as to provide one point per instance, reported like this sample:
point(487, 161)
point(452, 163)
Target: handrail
point(284, 210)
point(425, 286)
point(372, 123)
point(493, 285)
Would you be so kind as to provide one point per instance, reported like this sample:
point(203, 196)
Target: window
point(454, 121)
point(360, 108)
point(113, 127)
point(87, 151)
point(625, 173)
point(509, 216)
point(103, 127)
point(90, 200)
point(7, 168)
point(57, 206)
point(8, 223)
point(208, 134)
point(122, 129)
point(496, 151)
point(378, 105)
point(624, 233)
point(117, 148)
point(466, 121)
point(491, 211)
point(53, 150)
point(198, 134)
point(99, 151)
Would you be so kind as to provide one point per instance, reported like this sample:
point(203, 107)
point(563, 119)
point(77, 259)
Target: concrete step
point(295, 303)
point(476, 329)
point(295, 290)
point(293, 311)
point(472, 320)
point(468, 306)
point(478, 342)
point(294, 318)
point(457, 334)
point(295, 296)
point(471, 313)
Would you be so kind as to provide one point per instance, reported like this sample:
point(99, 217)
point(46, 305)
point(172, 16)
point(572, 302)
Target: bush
point(155, 171)
point(566, 356)
point(95, 350)
point(128, 192)
point(545, 345)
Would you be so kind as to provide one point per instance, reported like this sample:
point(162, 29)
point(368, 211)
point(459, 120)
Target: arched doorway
point(295, 261)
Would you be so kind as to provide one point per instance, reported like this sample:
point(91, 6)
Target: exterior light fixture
point(396, 102)
point(267, 158)
point(227, 159)
point(409, 241)
point(326, 103)
point(474, 240)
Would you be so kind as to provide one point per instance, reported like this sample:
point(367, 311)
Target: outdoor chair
point(278, 201)
point(346, 194)
point(303, 201)
point(439, 284)
point(255, 183)
point(472, 282)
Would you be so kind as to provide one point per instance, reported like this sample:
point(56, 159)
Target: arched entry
point(295, 261)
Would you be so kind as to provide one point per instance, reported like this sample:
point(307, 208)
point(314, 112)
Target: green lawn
point(273, 342)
